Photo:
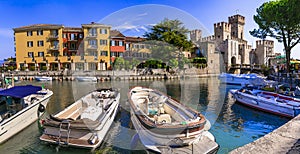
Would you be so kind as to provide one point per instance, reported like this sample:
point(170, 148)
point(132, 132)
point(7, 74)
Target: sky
point(122, 14)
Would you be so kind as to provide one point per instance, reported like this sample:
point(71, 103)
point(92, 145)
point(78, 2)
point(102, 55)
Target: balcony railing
point(92, 35)
point(52, 37)
point(92, 46)
point(53, 48)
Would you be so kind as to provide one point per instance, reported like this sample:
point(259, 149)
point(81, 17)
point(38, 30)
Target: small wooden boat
point(268, 101)
point(20, 106)
point(84, 123)
point(86, 79)
point(161, 121)
point(43, 78)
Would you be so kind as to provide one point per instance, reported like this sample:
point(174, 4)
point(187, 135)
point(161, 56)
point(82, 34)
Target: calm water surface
point(233, 125)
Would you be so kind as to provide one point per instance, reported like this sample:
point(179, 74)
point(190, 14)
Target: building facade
point(55, 47)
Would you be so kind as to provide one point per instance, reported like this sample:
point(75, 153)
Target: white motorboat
point(19, 107)
point(240, 79)
point(86, 79)
point(84, 123)
point(43, 78)
point(268, 101)
point(161, 121)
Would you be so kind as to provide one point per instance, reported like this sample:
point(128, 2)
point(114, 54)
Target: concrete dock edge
point(282, 140)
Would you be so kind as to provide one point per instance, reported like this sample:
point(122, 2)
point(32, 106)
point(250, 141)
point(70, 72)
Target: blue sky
point(16, 13)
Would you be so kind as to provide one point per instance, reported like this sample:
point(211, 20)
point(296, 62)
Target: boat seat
point(164, 118)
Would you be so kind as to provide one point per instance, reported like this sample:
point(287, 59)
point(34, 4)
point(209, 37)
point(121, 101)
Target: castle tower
point(222, 31)
point(264, 51)
point(237, 26)
point(195, 35)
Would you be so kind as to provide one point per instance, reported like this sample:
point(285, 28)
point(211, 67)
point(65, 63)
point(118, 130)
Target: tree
point(118, 63)
point(280, 20)
point(172, 32)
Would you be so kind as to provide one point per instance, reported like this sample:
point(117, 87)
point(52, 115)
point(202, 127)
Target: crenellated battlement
point(223, 25)
point(264, 42)
point(208, 38)
point(236, 19)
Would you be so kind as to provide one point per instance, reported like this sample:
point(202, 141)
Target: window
point(92, 42)
point(120, 43)
point(65, 45)
point(64, 35)
point(113, 43)
point(103, 53)
point(41, 54)
point(93, 32)
point(72, 46)
point(30, 54)
point(72, 36)
point(80, 36)
point(39, 32)
point(29, 33)
point(29, 43)
point(103, 31)
point(40, 43)
point(127, 46)
point(103, 42)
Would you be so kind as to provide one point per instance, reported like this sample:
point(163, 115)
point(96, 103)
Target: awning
point(20, 91)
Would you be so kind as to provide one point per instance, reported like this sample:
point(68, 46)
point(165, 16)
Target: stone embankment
point(157, 74)
point(285, 139)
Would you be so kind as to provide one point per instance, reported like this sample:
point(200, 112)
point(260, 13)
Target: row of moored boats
point(253, 94)
point(160, 121)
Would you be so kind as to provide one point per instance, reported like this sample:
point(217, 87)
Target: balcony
point(53, 48)
point(91, 35)
point(73, 40)
point(65, 59)
point(92, 47)
point(52, 59)
point(29, 60)
point(52, 37)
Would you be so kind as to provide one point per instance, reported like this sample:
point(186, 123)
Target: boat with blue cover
point(19, 107)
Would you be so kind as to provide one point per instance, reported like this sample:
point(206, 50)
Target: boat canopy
point(20, 91)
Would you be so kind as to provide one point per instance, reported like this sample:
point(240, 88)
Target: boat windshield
point(10, 106)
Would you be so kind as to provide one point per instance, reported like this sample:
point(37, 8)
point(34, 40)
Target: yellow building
point(54, 47)
point(34, 42)
point(96, 46)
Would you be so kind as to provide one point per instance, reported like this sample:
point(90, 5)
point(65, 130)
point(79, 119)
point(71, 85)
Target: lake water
point(233, 125)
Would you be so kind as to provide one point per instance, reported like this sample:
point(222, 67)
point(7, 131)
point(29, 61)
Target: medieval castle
point(228, 47)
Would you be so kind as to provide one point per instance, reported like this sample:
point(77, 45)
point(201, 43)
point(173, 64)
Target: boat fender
point(41, 108)
point(92, 140)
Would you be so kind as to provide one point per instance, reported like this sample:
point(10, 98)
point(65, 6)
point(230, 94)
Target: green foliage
point(32, 68)
point(173, 63)
point(200, 60)
point(119, 63)
point(44, 68)
point(280, 20)
point(153, 63)
point(172, 32)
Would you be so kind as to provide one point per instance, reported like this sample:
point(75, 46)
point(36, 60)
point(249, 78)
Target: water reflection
point(233, 125)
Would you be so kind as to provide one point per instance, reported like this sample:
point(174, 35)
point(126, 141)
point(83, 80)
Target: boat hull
point(186, 126)
point(43, 78)
point(152, 141)
point(86, 79)
point(267, 105)
point(13, 125)
point(100, 130)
